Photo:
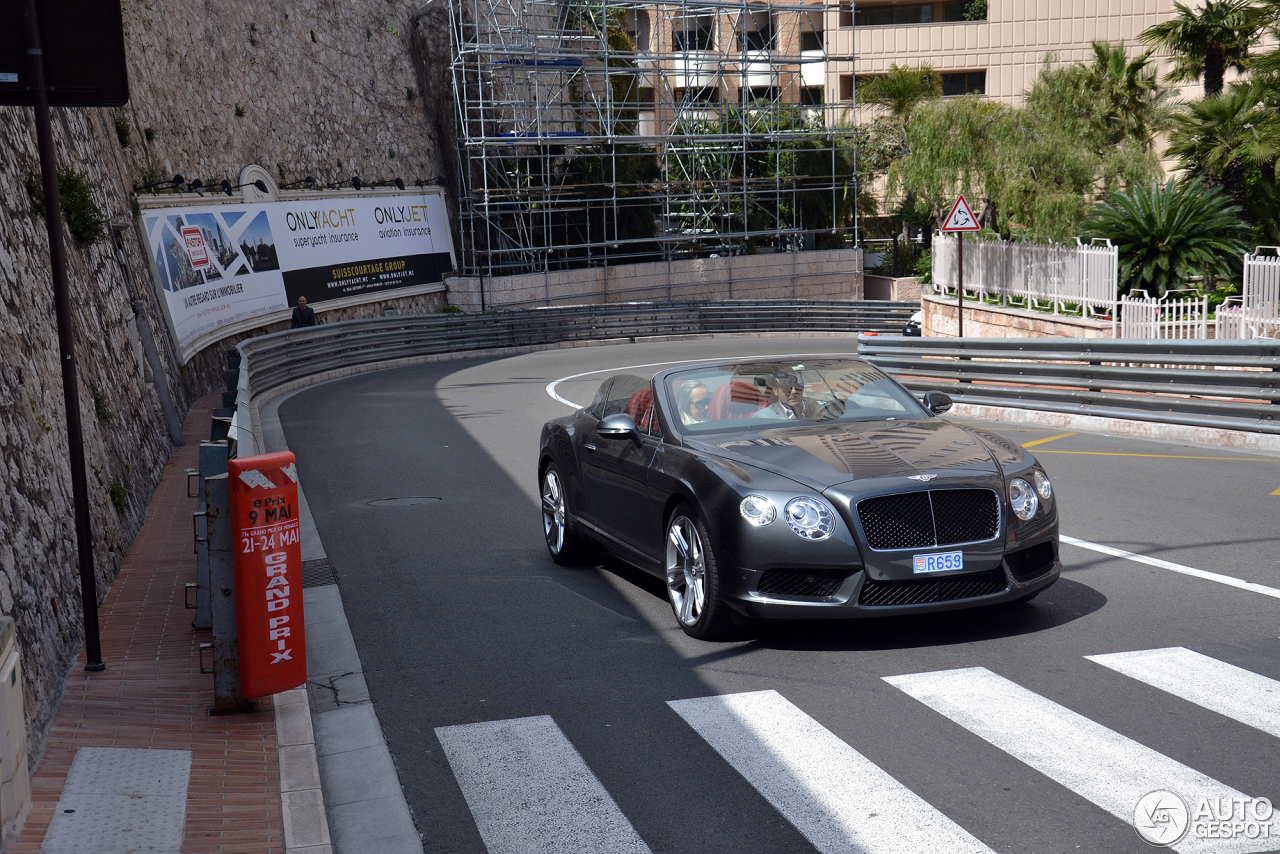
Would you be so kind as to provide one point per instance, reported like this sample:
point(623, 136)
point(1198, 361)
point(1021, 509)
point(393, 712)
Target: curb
point(1206, 436)
point(306, 827)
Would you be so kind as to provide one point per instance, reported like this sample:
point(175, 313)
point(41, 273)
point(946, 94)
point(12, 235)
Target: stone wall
point(824, 274)
point(995, 321)
point(329, 88)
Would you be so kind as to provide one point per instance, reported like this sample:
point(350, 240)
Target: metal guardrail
point(1231, 385)
point(273, 360)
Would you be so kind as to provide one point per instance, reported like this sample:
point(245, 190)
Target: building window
point(909, 13)
point(810, 40)
point(758, 32)
point(846, 87)
point(637, 26)
point(811, 96)
point(964, 83)
point(767, 94)
point(694, 34)
point(698, 95)
point(646, 96)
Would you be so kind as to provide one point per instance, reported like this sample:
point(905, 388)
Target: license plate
point(941, 562)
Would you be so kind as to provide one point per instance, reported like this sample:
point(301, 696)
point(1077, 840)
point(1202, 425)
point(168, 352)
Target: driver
point(786, 397)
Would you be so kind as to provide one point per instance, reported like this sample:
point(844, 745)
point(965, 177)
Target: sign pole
point(66, 341)
point(960, 220)
point(960, 289)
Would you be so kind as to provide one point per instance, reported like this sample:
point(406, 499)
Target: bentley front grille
point(924, 591)
point(799, 583)
point(923, 520)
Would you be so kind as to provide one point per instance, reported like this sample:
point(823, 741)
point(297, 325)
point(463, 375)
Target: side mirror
point(619, 426)
point(936, 402)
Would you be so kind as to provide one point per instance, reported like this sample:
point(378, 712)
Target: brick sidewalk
point(152, 694)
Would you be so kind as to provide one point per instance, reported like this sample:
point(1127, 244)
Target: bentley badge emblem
point(925, 477)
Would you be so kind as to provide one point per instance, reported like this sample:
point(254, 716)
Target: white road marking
point(835, 796)
point(1231, 691)
point(1106, 768)
point(1174, 567)
point(530, 791)
point(551, 386)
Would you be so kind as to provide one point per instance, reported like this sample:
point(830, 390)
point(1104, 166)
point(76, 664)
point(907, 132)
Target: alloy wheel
point(554, 511)
point(686, 570)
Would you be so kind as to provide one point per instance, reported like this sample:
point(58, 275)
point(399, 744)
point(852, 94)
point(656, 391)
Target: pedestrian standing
point(303, 315)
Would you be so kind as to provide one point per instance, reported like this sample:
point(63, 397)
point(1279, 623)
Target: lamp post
point(66, 341)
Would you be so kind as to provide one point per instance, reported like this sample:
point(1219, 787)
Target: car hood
point(825, 455)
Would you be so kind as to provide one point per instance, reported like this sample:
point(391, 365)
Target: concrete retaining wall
point(994, 321)
point(823, 274)
point(886, 287)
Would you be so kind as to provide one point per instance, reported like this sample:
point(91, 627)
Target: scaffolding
point(598, 132)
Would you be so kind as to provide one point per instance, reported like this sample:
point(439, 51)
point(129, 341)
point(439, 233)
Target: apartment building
point(998, 57)
point(705, 57)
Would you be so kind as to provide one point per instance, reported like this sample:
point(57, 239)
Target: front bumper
point(1031, 567)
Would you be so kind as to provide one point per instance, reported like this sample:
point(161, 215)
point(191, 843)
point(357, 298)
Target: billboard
point(218, 265)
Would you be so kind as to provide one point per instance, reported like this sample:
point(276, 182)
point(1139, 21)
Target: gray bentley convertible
point(809, 489)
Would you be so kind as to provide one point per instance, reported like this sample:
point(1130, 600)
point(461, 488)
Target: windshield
point(753, 395)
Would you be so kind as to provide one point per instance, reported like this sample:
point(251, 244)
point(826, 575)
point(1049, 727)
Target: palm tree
point(901, 90)
point(1219, 136)
point(1207, 42)
point(1133, 103)
point(1167, 234)
point(1267, 66)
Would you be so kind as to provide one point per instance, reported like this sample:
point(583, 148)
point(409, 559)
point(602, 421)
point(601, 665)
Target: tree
point(1219, 137)
point(949, 148)
point(1038, 167)
point(1207, 42)
point(1167, 234)
point(1131, 103)
point(901, 90)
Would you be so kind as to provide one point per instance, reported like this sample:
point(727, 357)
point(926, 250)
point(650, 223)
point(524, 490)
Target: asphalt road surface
point(532, 708)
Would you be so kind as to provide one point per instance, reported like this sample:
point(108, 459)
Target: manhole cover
point(407, 501)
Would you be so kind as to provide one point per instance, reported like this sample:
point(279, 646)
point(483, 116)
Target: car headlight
point(1023, 498)
point(1043, 486)
point(758, 510)
point(810, 518)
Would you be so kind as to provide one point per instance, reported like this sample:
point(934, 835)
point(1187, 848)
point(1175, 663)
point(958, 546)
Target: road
point(557, 690)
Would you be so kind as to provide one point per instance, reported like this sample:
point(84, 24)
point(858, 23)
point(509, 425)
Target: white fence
point(1087, 277)
point(1049, 275)
point(1256, 312)
point(1142, 316)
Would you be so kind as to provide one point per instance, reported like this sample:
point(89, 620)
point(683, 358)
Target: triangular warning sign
point(961, 218)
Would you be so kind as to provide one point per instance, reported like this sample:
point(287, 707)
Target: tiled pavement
point(152, 694)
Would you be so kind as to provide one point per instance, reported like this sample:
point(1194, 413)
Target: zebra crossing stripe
point(530, 791)
point(1217, 686)
point(835, 796)
point(1106, 768)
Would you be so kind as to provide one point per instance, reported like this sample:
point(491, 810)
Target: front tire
point(566, 546)
point(693, 578)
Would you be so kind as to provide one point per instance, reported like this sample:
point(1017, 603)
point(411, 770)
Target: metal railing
point(273, 360)
point(1221, 384)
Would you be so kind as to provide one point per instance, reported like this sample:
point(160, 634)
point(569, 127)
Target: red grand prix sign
point(268, 559)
